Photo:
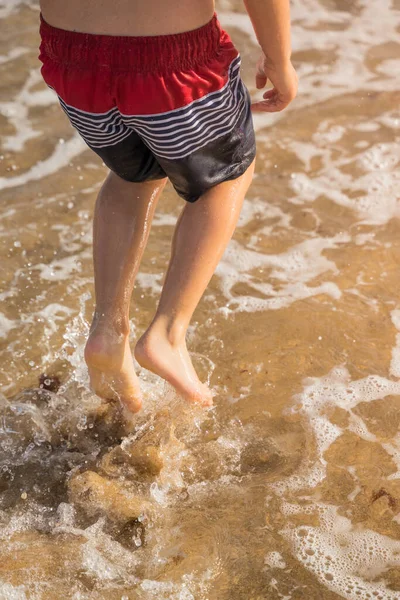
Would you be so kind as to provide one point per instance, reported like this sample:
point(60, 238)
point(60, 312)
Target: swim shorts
point(151, 107)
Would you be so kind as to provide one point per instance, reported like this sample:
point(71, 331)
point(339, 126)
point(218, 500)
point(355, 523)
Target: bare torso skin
point(128, 17)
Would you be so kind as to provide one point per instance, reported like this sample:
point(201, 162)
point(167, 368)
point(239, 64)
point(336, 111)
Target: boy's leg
point(201, 236)
point(121, 226)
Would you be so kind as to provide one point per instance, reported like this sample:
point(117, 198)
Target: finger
point(268, 106)
point(261, 80)
point(270, 93)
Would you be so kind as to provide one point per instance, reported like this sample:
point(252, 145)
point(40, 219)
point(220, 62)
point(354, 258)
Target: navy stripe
point(101, 139)
point(114, 115)
point(187, 128)
point(204, 104)
point(178, 112)
point(211, 134)
point(197, 129)
point(98, 133)
point(184, 119)
point(112, 142)
point(168, 150)
point(170, 135)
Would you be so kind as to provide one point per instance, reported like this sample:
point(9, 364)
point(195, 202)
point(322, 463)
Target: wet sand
point(290, 487)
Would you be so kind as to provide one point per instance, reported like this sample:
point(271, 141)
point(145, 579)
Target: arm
point(271, 22)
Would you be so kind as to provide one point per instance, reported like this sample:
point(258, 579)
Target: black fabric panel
point(131, 160)
point(223, 159)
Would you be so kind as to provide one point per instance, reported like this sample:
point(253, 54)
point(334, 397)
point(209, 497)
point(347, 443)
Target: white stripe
point(97, 124)
point(189, 128)
point(196, 128)
point(85, 112)
point(195, 123)
point(197, 144)
point(99, 133)
point(113, 142)
point(85, 121)
point(233, 67)
point(226, 90)
point(209, 107)
point(102, 141)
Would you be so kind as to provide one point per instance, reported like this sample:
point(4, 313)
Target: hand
point(284, 80)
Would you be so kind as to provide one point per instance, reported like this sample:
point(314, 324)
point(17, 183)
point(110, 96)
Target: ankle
point(172, 329)
point(106, 321)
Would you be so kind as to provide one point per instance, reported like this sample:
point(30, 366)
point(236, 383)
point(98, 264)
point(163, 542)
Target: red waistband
point(161, 53)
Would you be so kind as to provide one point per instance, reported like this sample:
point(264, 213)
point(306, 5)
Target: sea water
point(289, 488)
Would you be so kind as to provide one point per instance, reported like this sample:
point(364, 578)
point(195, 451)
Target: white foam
point(150, 282)
point(344, 559)
point(341, 556)
point(166, 590)
point(395, 362)
point(6, 325)
point(381, 181)
point(52, 314)
point(381, 157)
point(75, 337)
point(61, 157)
point(391, 120)
point(12, 54)
point(16, 110)
point(366, 126)
point(164, 220)
point(7, 7)
point(328, 133)
point(294, 269)
point(59, 269)
point(274, 560)
point(7, 591)
point(96, 564)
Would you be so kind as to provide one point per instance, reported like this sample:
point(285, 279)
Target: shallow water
point(290, 487)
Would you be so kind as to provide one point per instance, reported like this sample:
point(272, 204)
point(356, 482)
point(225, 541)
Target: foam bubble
point(96, 564)
point(9, 592)
point(12, 54)
point(395, 362)
point(61, 157)
point(345, 560)
point(293, 270)
point(380, 180)
point(60, 269)
point(274, 560)
point(6, 325)
point(7, 7)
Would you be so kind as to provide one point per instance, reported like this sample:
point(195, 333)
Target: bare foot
point(171, 362)
point(112, 374)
